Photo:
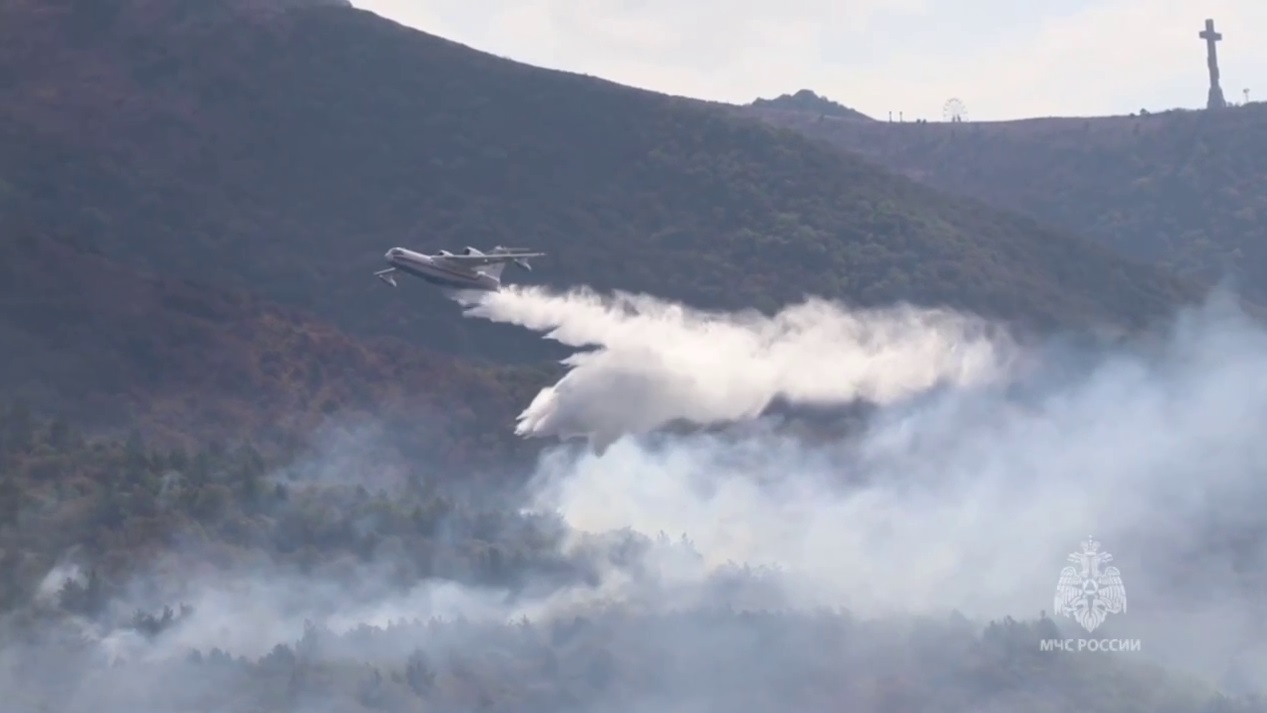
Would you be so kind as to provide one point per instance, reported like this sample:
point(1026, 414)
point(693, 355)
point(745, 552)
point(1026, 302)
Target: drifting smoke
point(969, 500)
point(657, 362)
point(966, 500)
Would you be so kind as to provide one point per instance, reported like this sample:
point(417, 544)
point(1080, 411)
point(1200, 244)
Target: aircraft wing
point(493, 257)
point(490, 258)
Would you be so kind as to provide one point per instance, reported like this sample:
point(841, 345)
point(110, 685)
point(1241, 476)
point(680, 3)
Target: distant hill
point(809, 102)
point(284, 155)
point(1185, 190)
point(112, 349)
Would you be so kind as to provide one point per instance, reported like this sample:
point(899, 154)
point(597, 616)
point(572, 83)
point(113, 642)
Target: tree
point(419, 673)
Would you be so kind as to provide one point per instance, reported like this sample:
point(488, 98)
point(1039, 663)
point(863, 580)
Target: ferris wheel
point(954, 110)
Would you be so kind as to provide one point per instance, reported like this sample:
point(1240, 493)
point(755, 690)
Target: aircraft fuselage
point(437, 271)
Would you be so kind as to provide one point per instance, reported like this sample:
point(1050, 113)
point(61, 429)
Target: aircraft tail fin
point(386, 276)
point(519, 261)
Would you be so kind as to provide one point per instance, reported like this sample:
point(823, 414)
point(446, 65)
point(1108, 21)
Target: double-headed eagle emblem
point(1091, 591)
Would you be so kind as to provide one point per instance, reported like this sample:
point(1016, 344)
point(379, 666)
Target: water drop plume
point(654, 361)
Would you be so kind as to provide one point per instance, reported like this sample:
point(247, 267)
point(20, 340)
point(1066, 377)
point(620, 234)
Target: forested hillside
point(283, 154)
point(108, 348)
point(1185, 190)
point(139, 578)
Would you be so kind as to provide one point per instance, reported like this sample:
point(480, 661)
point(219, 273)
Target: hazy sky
point(1002, 58)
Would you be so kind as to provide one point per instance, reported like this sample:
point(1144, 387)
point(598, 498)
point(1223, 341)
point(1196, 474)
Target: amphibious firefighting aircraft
point(471, 270)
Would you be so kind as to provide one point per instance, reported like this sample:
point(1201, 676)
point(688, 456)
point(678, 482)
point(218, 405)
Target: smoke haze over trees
point(910, 564)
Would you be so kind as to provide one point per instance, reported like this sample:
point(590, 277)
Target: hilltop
point(1184, 190)
point(113, 350)
point(282, 156)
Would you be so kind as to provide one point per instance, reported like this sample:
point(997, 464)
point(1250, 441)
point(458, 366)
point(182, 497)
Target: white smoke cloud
point(970, 500)
point(657, 361)
point(967, 499)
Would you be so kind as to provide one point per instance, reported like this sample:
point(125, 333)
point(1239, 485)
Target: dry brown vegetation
point(112, 348)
